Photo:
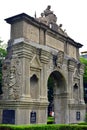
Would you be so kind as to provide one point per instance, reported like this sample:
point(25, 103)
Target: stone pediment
point(35, 62)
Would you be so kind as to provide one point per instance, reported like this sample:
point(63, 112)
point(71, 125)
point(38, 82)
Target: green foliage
point(2, 44)
point(50, 120)
point(86, 118)
point(82, 123)
point(3, 53)
point(44, 127)
point(84, 61)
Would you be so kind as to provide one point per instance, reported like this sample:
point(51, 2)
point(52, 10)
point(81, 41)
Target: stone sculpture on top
point(50, 19)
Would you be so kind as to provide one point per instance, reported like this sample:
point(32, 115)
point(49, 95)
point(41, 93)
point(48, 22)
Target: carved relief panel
point(76, 85)
point(12, 79)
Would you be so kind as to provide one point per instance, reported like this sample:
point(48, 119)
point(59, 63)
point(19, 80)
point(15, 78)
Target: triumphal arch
point(39, 50)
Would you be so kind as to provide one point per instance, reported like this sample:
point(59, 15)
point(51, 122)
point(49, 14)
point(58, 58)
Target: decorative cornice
point(44, 56)
point(33, 21)
point(27, 18)
point(79, 106)
point(23, 50)
point(22, 104)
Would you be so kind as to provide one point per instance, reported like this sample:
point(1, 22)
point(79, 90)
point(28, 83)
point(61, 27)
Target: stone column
point(77, 53)
point(23, 78)
point(26, 78)
point(42, 36)
point(81, 83)
point(24, 52)
point(44, 57)
point(70, 80)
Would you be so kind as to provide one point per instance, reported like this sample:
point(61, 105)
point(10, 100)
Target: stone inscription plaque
point(33, 117)
point(8, 117)
point(78, 115)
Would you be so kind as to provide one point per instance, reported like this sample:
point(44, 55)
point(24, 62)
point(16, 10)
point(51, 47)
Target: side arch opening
point(57, 97)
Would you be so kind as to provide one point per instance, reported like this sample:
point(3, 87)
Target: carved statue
point(43, 19)
point(48, 16)
point(47, 11)
point(50, 19)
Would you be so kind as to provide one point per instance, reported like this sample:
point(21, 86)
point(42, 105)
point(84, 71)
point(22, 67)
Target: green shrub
point(86, 117)
point(50, 120)
point(43, 127)
point(82, 123)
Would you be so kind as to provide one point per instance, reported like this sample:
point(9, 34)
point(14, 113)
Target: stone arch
point(34, 55)
point(59, 100)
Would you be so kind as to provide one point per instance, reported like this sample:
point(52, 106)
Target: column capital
point(23, 50)
point(81, 68)
point(71, 65)
point(44, 56)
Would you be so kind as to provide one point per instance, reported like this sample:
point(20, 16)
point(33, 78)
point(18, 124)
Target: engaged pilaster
point(44, 57)
point(24, 53)
point(71, 67)
point(81, 70)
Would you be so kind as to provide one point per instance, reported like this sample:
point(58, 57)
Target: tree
point(3, 53)
point(84, 61)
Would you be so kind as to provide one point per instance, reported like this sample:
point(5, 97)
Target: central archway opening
point(57, 97)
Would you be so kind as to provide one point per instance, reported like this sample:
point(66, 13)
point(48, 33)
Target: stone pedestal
point(22, 112)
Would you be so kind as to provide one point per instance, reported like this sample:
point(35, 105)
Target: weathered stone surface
point(38, 50)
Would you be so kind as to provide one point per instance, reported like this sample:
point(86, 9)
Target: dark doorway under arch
point(57, 96)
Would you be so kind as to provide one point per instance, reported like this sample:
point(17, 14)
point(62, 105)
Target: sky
point(72, 14)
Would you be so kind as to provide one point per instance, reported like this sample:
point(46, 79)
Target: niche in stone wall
point(76, 92)
point(76, 85)
point(34, 86)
